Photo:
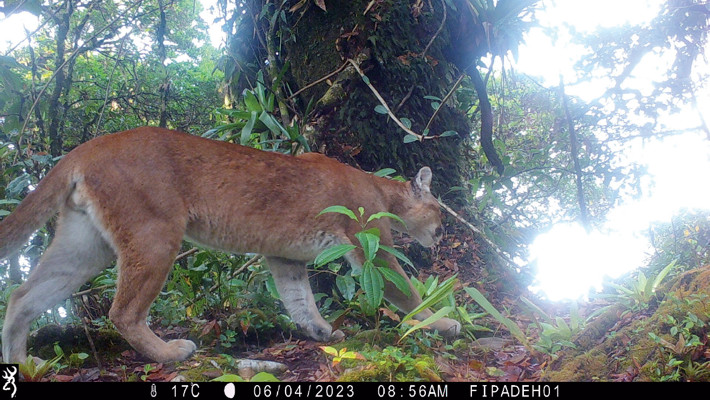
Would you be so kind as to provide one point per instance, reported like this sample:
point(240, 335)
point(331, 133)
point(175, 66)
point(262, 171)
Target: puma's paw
point(337, 336)
point(181, 349)
point(448, 328)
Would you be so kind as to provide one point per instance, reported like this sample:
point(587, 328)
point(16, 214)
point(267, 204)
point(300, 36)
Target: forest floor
point(666, 338)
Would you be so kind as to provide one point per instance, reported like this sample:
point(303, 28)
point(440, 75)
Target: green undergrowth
point(386, 363)
point(667, 341)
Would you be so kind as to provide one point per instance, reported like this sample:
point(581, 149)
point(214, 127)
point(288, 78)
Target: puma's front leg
point(291, 280)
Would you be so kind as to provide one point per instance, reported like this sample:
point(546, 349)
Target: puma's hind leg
point(144, 262)
point(77, 253)
point(291, 280)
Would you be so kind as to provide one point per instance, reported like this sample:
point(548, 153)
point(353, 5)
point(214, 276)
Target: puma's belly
point(301, 244)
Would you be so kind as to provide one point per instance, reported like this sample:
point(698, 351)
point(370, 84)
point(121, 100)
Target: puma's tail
point(34, 211)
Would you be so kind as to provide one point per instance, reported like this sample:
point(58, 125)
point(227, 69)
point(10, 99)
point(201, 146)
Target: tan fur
point(136, 195)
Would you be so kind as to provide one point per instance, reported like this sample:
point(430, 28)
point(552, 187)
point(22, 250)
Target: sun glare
point(570, 260)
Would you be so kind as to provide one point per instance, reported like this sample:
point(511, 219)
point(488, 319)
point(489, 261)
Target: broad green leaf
point(661, 275)
point(271, 287)
point(537, 310)
point(385, 214)
point(229, 378)
point(380, 109)
point(372, 283)
point(442, 292)
point(370, 241)
point(346, 286)
point(15, 188)
point(340, 210)
point(514, 329)
point(397, 254)
point(433, 318)
point(332, 254)
point(409, 138)
point(251, 102)
point(384, 172)
point(563, 328)
point(406, 122)
point(331, 351)
point(397, 279)
point(246, 130)
point(263, 377)
point(274, 126)
point(449, 133)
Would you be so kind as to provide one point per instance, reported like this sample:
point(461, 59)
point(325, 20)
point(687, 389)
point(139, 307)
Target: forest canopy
point(527, 119)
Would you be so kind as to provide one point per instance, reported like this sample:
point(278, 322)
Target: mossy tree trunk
point(410, 52)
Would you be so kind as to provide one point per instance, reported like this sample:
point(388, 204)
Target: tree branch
point(583, 215)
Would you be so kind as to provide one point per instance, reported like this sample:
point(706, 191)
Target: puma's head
point(421, 211)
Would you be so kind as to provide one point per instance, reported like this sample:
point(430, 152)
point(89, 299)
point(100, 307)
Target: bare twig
point(187, 253)
point(574, 152)
point(423, 55)
point(384, 104)
point(310, 85)
point(446, 98)
point(480, 234)
point(251, 261)
point(108, 86)
point(93, 289)
point(91, 343)
point(441, 27)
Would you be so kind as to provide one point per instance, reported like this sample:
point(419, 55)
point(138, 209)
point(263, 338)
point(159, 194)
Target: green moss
point(646, 345)
point(588, 366)
point(206, 369)
point(391, 365)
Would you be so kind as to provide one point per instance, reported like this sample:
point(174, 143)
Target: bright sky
point(570, 260)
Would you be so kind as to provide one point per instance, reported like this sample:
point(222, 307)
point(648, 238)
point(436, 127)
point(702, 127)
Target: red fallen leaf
point(476, 365)
point(393, 316)
point(209, 326)
point(245, 326)
point(63, 378)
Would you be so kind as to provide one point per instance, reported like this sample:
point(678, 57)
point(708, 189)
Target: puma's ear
point(421, 183)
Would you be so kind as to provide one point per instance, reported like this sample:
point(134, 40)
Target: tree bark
point(400, 47)
point(63, 20)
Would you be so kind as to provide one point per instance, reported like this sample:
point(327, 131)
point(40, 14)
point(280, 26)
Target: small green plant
point(73, 360)
point(253, 123)
point(512, 327)
point(34, 372)
point(642, 290)
point(342, 354)
point(259, 377)
point(374, 269)
point(394, 364)
point(435, 294)
point(146, 371)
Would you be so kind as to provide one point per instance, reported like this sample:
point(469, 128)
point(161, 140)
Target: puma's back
point(228, 196)
point(136, 195)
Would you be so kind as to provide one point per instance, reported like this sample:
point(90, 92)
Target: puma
point(134, 196)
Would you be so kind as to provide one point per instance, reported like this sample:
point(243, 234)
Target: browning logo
point(9, 375)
